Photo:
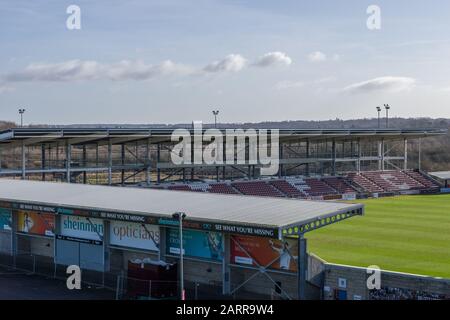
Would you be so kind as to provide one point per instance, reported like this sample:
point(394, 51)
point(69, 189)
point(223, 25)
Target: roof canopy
point(444, 175)
point(260, 216)
point(91, 135)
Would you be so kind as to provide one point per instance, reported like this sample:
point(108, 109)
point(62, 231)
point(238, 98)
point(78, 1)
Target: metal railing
point(116, 281)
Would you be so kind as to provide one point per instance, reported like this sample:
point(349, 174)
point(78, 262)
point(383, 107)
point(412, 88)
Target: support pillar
point(382, 155)
point(109, 162)
point(420, 153)
point(24, 161)
point(43, 161)
point(84, 164)
point(122, 162)
point(358, 162)
point(307, 157)
point(162, 243)
point(280, 166)
point(226, 270)
point(405, 155)
point(302, 267)
point(68, 161)
point(333, 151)
point(158, 159)
point(147, 163)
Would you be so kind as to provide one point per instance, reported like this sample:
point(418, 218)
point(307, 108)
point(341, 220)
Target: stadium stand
point(180, 187)
point(222, 188)
point(287, 188)
point(318, 187)
point(366, 184)
point(340, 185)
point(422, 179)
point(257, 188)
point(299, 187)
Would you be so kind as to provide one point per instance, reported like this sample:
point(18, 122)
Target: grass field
point(406, 233)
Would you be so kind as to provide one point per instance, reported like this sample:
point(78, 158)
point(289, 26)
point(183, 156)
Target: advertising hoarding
point(36, 223)
point(207, 245)
point(257, 251)
point(134, 235)
point(82, 228)
point(5, 219)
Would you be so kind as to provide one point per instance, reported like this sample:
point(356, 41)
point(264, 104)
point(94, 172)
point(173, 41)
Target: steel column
point(302, 261)
point(109, 162)
point(158, 159)
point(307, 156)
point(226, 270)
point(358, 162)
point(122, 162)
point(147, 163)
point(333, 151)
point(405, 162)
point(43, 161)
point(24, 161)
point(84, 164)
point(68, 160)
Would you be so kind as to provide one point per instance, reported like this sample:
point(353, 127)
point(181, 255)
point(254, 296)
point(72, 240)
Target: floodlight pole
point(387, 107)
point(379, 123)
point(21, 112)
point(215, 113)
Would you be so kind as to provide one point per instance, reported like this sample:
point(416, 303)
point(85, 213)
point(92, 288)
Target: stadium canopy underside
point(142, 155)
point(228, 215)
point(441, 175)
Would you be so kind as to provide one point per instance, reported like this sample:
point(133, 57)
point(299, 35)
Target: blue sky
point(176, 60)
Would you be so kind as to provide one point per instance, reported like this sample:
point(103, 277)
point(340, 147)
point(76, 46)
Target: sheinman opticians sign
point(154, 220)
point(73, 227)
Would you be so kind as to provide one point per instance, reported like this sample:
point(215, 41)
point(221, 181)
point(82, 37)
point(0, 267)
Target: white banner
point(81, 227)
point(134, 235)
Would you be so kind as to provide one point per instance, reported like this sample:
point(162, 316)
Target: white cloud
point(317, 56)
point(80, 70)
point(388, 84)
point(232, 62)
point(76, 70)
point(273, 58)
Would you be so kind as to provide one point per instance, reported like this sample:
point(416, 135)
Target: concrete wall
point(394, 285)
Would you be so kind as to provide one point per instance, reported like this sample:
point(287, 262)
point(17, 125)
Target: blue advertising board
point(5, 219)
point(207, 245)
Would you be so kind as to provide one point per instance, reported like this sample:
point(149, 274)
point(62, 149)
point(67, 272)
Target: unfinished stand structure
point(143, 155)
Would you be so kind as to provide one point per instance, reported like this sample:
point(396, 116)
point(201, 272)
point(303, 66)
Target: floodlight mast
point(387, 107)
point(215, 113)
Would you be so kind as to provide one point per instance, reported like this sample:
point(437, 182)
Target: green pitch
point(406, 233)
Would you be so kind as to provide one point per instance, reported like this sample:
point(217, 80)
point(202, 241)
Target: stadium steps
point(423, 178)
point(364, 183)
point(329, 185)
point(257, 188)
point(287, 189)
point(354, 185)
